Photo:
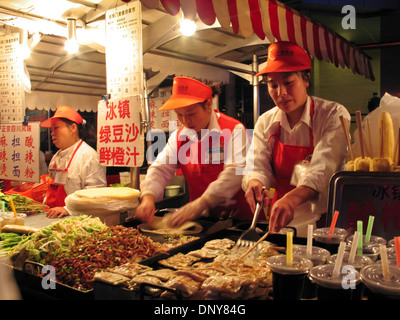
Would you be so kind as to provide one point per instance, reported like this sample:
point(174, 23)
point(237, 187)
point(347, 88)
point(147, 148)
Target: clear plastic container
point(329, 241)
point(9, 218)
point(20, 219)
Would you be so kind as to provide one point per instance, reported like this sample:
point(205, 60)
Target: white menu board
point(124, 62)
point(12, 95)
point(120, 142)
point(19, 151)
point(160, 119)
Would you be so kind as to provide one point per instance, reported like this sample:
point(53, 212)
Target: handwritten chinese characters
point(12, 95)
point(19, 152)
point(124, 50)
point(119, 141)
point(160, 119)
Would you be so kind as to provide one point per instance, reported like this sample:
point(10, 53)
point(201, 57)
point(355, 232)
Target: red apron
point(285, 157)
point(199, 174)
point(55, 196)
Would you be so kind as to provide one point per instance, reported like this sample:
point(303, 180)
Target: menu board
point(19, 151)
point(120, 142)
point(160, 119)
point(124, 60)
point(358, 195)
point(12, 95)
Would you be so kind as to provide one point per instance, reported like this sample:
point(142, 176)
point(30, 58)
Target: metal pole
point(256, 96)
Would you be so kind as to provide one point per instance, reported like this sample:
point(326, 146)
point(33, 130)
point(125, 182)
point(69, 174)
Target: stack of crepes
point(102, 201)
point(386, 158)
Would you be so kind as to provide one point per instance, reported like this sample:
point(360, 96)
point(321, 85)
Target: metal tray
point(104, 291)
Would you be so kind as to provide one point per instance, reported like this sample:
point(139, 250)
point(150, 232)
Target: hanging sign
point(120, 142)
point(19, 151)
point(124, 60)
point(12, 95)
point(160, 119)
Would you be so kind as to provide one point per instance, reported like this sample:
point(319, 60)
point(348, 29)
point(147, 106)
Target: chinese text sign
point(120, 142)
point(19, 152)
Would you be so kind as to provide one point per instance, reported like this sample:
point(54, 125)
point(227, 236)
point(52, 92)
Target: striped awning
point(274, 21)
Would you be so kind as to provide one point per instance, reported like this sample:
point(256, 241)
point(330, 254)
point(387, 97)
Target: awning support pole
point(256, 100)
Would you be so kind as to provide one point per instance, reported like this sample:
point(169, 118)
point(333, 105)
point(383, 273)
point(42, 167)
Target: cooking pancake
point(159, 226)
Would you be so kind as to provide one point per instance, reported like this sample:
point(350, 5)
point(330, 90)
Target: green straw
point(360, 242)
point(369, 229)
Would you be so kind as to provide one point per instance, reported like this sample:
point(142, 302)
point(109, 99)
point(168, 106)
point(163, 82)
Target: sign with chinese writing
point(124, 61)
point(120, 142)
point(19, 151)
point(12, 95)
point(358, 195)
point(159, 119)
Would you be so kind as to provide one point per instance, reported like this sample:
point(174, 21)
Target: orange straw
point(12, 206)
point(333, 223)
point(397, 247)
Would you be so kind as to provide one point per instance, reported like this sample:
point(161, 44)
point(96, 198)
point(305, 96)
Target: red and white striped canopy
point(274, 21)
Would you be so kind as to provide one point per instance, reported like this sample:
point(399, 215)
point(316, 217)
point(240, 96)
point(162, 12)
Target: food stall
point(96, 255)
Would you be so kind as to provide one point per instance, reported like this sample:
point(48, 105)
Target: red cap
point(185, 92)
point(63, 112)
point(285, 56)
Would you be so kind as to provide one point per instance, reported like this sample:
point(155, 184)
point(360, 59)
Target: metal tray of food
point(104, 290)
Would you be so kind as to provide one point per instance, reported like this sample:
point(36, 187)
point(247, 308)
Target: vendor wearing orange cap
point(75, 165)
point(211, 170)
point(299, 129)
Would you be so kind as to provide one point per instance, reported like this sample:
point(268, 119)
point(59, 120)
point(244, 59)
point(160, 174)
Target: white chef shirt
point(330, 149)
point(84, 171)
point(220, 191)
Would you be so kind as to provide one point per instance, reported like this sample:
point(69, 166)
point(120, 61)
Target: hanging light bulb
point(187, 27)
point(71, 44)
point(24, 51)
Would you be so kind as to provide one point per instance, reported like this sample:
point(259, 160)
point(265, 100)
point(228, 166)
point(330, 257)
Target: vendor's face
point(195, 116)
point(288, 90)
point(62, 134)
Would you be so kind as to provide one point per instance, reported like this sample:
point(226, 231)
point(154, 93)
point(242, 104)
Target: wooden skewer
point(347, 135)
point(360, 133)
point(370, 139)
point(254, 246)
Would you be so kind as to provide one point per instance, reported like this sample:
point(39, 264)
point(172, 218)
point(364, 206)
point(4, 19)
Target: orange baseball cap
point(285, 56)
point(63, 112)
point(185, 92)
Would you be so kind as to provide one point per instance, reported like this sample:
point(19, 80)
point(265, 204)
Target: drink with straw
point(317, 255)
point(334, 282)
point(288, 273)
point(382, 279)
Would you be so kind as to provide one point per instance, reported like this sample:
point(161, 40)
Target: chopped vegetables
point(22, 204)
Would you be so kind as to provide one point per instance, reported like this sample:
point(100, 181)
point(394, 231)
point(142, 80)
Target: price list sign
point(12, 95)
point(19, 152)
point(119, 140)
point(160, 119)
point(124, 60)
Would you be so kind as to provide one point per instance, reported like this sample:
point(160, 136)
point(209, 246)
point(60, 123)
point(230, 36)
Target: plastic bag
point(34, 190)
point(100, 206)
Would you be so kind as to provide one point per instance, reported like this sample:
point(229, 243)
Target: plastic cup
point(377, 287)
point(370, 249)
point(288, 280)
point(20, 219)
point(9, 218)
point(1, 222)
point(318, 256)
point(342, 287)
point(360, 261)
point(329, 241)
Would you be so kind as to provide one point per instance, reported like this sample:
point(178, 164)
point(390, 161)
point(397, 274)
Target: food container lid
point(372, 277)
point(323, 235)
point(322, 275)
point(299, 265)
point(318, 255)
